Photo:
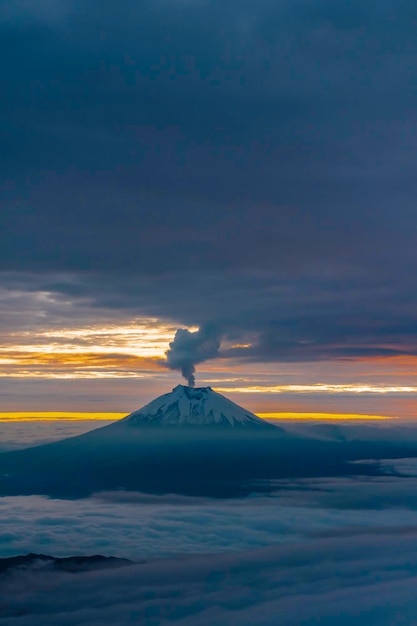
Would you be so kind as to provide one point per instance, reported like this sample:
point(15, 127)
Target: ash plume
point(189, 348)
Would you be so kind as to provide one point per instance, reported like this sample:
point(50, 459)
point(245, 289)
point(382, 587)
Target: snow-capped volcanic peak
point(194, 406)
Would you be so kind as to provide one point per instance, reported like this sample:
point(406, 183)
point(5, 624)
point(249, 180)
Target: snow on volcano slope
point(192, 442)
point(189, 406)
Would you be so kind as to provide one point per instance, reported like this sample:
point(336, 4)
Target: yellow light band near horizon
point(23, 416)
point(45, 416)
point(340, 417)
point(322, 388)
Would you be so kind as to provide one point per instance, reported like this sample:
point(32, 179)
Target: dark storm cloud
point(249, 132)
point(238, 163)
point(262, 317)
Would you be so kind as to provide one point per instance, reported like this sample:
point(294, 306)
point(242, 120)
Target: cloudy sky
point(247, 167)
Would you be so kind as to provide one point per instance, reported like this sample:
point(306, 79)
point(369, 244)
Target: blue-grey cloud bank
point(297, 557)
point(247, 164)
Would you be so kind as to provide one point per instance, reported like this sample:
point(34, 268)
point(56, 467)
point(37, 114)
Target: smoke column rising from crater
point(190, 348)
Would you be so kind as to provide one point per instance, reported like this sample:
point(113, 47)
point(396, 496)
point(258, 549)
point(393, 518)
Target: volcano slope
point(191, 441)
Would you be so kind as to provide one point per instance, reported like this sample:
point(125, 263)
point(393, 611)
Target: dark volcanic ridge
point(71, 564)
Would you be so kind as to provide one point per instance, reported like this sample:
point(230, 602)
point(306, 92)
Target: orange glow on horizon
point(42, 416)
point(135, 348)
point(114, 356)
point(26, 416)
point(338, 417)
point(78, 359)
point(322, 388)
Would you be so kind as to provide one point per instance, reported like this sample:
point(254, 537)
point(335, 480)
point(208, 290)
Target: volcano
point(190, 441)
point(194, 407)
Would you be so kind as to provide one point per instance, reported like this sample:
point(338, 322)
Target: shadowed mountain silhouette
point(72, 564)
point(191, 441)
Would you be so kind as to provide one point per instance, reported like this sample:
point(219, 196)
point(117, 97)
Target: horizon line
point(26, 416)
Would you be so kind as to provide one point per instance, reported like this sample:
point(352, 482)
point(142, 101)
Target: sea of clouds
point(323, 551)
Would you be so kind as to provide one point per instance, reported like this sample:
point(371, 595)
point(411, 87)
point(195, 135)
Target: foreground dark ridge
point(72, 564)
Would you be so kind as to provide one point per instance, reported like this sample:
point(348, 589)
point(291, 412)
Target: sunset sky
point(186, 165)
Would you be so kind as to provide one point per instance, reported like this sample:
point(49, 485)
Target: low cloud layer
point(16, 434)
point(137, 526)
point(304, 582)
point(299, 554)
